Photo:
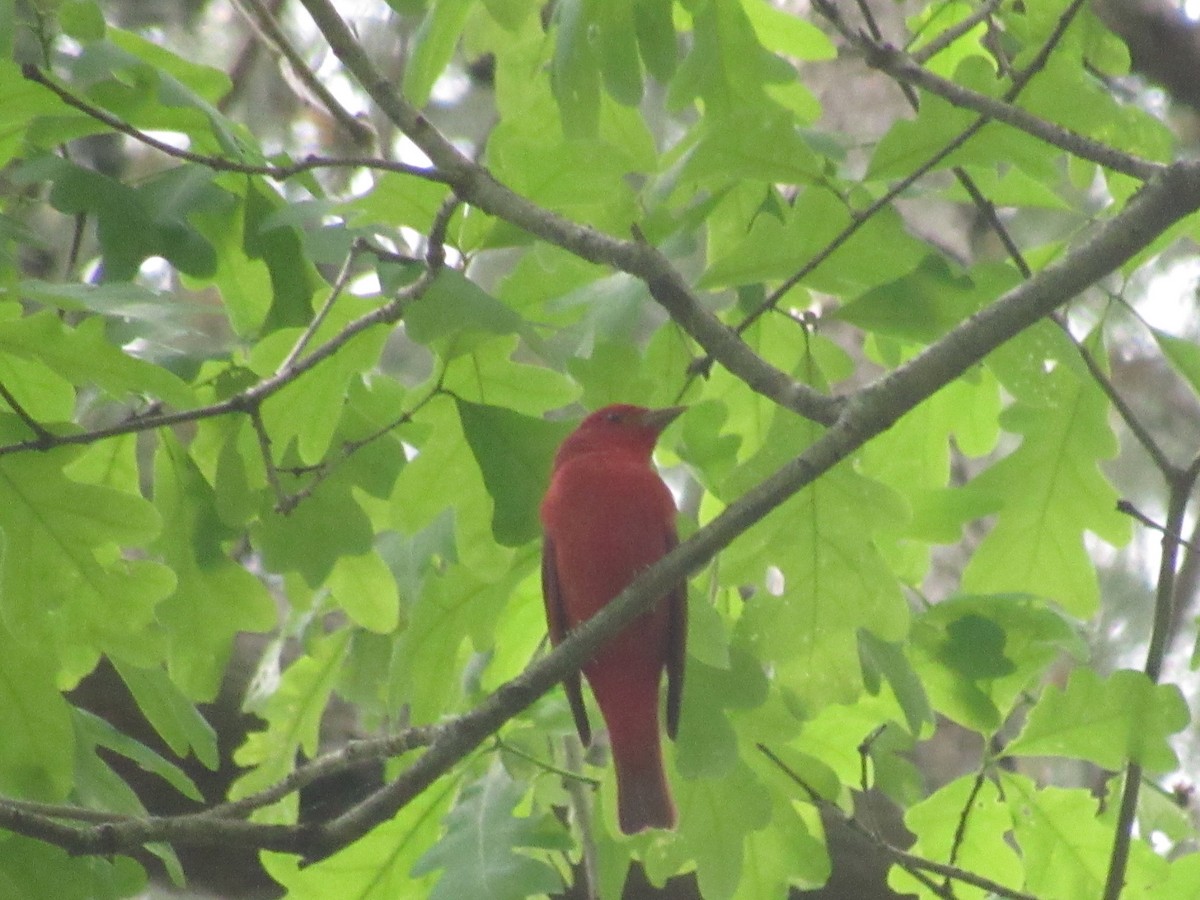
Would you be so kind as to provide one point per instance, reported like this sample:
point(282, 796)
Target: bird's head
point(621, 428)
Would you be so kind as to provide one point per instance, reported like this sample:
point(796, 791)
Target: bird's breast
point(608, 524)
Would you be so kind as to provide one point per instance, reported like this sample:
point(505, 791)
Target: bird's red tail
point(643, 795)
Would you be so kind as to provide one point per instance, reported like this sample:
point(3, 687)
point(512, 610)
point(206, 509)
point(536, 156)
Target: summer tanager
point(607, 516)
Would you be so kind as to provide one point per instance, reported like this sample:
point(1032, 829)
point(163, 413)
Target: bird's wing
point(556, 620)
point(676, 644)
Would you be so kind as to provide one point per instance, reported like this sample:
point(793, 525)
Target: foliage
point(248, 391)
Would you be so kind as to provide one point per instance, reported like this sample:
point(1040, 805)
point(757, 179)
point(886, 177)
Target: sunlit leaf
point(1108, 721)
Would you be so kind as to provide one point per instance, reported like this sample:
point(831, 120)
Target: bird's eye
point(613, 417)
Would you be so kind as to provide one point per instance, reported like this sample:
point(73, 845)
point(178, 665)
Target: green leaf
point(575, 74)
point(656, 38)
point(304, 415)
point(488, 375)
point(61, 584)
point(35, 870)
point(366, 590)
point(882, 660)
point(215, 599)
point(788, 33)
point(25, 102)
point(399, 200)
point(1066, 840)
point(453, 306)
point(879, 252)
point(617, 50)
point(759, 143)
point(96, 732)
point(1183, 355)
point(514, 453)
point(480, 854)
point(37, 754)
point(84, 357)
point(433, 46)
point(1123, 718)
point(1051, 490)
point(707, 743)
point(977, 655)
point(243, 278)
point(325, 526)
point(716, 818)
point(726, 67)
point(293, 714)
point(82, 20)
point(293, 276)
point(378, 866)
point(830, 582)
point(936, 821)
point(788, 854)
point(149, 220)
point(927, 302)
point(172, 715)
point(1183, 878)
point(452, 609)
point(445, 477)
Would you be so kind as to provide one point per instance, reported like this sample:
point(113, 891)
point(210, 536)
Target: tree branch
point(860, 218)
point(910, 862)
point(243, 400)
point(903, 68)
point(1180, 483)
point(475, 185)
point(264, 23)
point(44, 437)
point(220, 163)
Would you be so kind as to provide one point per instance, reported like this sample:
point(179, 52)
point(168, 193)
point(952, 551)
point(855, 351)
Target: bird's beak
point(659, 419)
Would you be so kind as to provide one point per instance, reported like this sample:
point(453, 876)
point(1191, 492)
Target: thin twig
point(566, 774)
point(68, 813)
point(263, 21)
point(244, 400)
point(945, 38)
point(1117, 161)
point(45, 438)
point(222, 164)
point(1181, 483)
point(252, 397)
point(1126, 412)
point(581, 802)
point(903, 68)
point(908, 861)
point(988, 210)
point(243, 64)
point(322, 470)
point(339, 285)
point(264, 446)
point(964, 816)
point(860, 218)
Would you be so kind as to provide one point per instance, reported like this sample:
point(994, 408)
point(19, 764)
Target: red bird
point(608, 516)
